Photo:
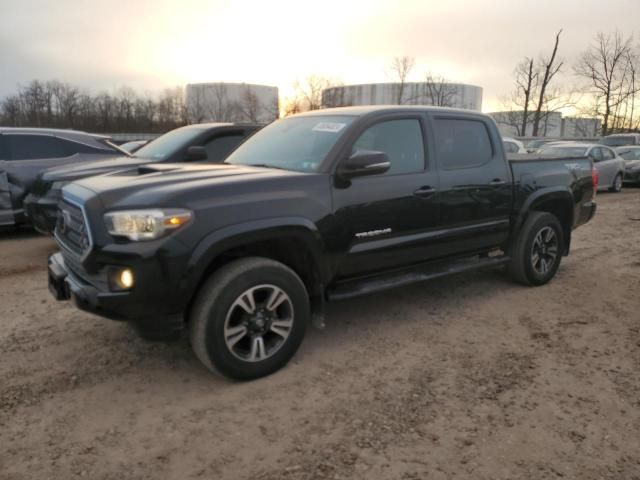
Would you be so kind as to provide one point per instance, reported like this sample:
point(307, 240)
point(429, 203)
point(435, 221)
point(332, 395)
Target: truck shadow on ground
point(346, 323)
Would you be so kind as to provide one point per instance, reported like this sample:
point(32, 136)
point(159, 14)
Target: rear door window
point(607, 154)
point(401, 140)
point(32, 147)
point(596, 154)
point(462, 143)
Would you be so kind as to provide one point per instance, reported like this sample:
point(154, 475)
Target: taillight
point(595, 176)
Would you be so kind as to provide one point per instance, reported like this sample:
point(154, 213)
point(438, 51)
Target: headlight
point(145, 224)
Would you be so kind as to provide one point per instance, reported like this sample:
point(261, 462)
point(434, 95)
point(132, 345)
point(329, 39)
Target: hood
point(157, 183)
point(632, 164)
point(87, 169)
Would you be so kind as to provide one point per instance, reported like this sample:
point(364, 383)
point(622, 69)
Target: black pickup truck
point(316, 207)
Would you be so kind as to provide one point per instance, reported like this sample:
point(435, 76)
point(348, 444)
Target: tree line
point(54, 104)
point(604, 84)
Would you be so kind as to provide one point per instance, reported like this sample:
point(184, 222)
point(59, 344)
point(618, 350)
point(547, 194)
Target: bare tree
point(250, 106)
point(308, 94)
point(196, 105)
point(609, 65)
point(526, 78)
point(439, 92)
point(551, 67)
point(400, 69)
point(11, 110)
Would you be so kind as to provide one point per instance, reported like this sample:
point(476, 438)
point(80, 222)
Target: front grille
point(71, 229)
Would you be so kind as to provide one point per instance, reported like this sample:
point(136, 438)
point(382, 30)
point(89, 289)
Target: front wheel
point(249, 318)
point(617, 184)
point(536, 254)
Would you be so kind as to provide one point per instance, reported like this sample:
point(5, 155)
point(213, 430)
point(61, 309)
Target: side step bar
point(376, 283)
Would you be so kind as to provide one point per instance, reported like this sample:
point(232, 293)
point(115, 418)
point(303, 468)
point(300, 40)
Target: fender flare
point(244, 233)
point(562, 194)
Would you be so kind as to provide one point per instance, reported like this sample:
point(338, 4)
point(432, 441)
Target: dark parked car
point(205, 142)
point(25, 152)
point(316, 207)
point(631, 155)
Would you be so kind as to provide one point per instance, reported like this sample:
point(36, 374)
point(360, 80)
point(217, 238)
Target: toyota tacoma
point(314, 208)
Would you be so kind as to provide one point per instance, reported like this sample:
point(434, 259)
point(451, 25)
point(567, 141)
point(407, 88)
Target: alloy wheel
point(544, 250)
point(258, 323)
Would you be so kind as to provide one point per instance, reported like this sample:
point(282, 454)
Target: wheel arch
point(558, 201)
point(293, 241)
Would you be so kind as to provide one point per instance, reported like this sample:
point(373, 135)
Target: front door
point(389, 217)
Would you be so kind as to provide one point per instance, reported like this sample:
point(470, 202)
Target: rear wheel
point(536, 254)
point(249, 318)
point(617, 184)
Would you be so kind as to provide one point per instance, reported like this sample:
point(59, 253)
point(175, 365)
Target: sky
point(153, 44)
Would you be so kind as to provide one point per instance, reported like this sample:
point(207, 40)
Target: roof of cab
point(47, 131)
point(362, 110)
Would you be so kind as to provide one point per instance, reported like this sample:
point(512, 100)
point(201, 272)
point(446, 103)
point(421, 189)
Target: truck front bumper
point(151, 319)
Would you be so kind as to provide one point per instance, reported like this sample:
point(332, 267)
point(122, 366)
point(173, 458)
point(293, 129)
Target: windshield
point(633, 154)
point(617, 140)
point(167, 144)
point(296, 143)
point(566, 151)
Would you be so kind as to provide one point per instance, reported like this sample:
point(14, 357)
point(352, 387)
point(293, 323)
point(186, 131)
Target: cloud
point(103, 44)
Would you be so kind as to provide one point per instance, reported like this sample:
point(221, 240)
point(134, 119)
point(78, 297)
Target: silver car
point(631, 155)
point(608, 163)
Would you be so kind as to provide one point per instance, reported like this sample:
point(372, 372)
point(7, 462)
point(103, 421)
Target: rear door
point(389, 220)
point(475, 183)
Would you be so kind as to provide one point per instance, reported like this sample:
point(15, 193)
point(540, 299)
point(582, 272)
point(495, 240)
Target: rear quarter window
point(462, 143)
point(219, 147)
point(33, 147)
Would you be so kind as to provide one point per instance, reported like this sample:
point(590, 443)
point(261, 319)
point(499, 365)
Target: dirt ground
point(467, 377)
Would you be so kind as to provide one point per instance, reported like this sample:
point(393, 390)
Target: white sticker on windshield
point(330, 127)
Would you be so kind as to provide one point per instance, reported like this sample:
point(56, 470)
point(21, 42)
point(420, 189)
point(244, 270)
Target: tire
point(523, 267)
point(617, 184)
point(221, 312)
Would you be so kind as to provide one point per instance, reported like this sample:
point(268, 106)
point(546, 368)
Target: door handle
point(425, 191)
point(497, 182)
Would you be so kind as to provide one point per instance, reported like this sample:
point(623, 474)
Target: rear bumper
point(150, 318)
point(42, 213)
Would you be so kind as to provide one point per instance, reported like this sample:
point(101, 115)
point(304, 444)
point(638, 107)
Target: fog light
point(124, 279)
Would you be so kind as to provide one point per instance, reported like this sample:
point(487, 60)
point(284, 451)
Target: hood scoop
point(150, 168)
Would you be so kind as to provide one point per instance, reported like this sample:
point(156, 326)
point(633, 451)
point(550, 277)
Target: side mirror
point(195, 154)
point(364, 162)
